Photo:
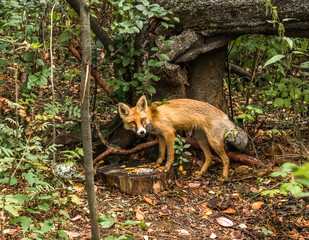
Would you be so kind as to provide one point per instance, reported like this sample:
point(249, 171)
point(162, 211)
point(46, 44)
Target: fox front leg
point(170, 142)
point(162, 150)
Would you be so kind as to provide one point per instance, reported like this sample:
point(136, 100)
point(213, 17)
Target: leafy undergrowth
point(202, 208)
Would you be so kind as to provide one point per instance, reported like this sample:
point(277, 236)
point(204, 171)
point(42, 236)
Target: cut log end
point(135, 180)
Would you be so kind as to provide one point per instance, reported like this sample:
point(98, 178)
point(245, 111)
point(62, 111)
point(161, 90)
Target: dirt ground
point(200, 208)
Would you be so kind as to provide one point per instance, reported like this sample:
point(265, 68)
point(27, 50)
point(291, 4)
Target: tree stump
point(133, 179)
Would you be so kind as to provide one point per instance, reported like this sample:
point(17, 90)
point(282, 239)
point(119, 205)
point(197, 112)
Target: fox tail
point(236, 138)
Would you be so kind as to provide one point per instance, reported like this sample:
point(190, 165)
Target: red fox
point(211, 127)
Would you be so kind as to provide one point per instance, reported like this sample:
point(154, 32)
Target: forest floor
point(200, 208)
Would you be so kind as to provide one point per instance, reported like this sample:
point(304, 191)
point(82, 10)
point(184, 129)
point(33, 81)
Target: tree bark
point(205, 78)
point(85, 117)
point(206, 26)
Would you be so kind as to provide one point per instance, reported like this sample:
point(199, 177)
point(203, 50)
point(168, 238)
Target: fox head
point(136, 118)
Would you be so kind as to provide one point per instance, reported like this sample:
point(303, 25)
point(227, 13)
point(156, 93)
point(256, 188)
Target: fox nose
point(142, 132)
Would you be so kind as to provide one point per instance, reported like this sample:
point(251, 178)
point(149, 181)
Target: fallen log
point(233, 156)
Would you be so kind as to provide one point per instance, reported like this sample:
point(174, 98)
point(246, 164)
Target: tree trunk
point(205, 27)
point(85, 117)
point(205, 78)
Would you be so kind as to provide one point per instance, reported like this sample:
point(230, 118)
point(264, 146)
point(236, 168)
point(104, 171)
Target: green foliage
point(264, 230)
point(250, 113)
point(181, 151)
point(135, 223)
point(106, 221)
point(130, 18)
point(299, 178)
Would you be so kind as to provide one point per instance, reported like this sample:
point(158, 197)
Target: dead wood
point(233, 156)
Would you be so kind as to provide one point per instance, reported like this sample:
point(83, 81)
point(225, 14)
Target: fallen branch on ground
point(234, 156)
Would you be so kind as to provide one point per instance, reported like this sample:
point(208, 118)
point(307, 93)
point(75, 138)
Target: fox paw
point(163, 169)
point(197, 174)
point(154, 164)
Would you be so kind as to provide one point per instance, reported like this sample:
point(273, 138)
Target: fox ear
point(142, 104)
point(123, 109)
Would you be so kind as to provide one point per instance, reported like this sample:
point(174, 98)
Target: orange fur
point(209, 124)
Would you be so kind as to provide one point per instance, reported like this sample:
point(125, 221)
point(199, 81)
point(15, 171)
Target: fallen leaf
point(235, 196)
point(150, 201)
point(229, 211)
point(79, 187)
point(184, 198)
point(183, 232)
point(207, 211)
point(180, 168)
point(164, 207)
point(257, 205)
point(212, 236)
point(10, 232)
point(242, 225)
point(204, 204)
point(254, 190)
point(178, 184)
point(72, 234)
point(76, 218)
point(194, 184)
point(224, 222)
point(163, 214)
point(22, 112)
point(117, 209)
point(139, 215)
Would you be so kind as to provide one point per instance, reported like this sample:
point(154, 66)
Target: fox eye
point(132, 123)
point(143, 121)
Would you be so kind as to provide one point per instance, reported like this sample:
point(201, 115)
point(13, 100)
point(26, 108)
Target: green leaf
point(29, 176)
point(47, 226)
point(164, 57)
point(151, 89)
point(186, 146)
point(289, 41)
point(64, 36)
point(259, 111)
point(122, 70)
point(32, 211)
point(25, 222)
point(242, 116)
point(62, 234)
point(44, 207)
point(295, 93)
point(125, 62)
point(39, 62)
point(164, 24)
point(141, 7)
point(21, 198)
point(130, 222)
point(111, 48)
point(64, 213)
point(279, 102)
point(274, 59)
point(106, 221)
point(287, 103)
point(11, 210)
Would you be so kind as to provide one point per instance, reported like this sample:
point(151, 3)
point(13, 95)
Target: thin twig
point(52, 77)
